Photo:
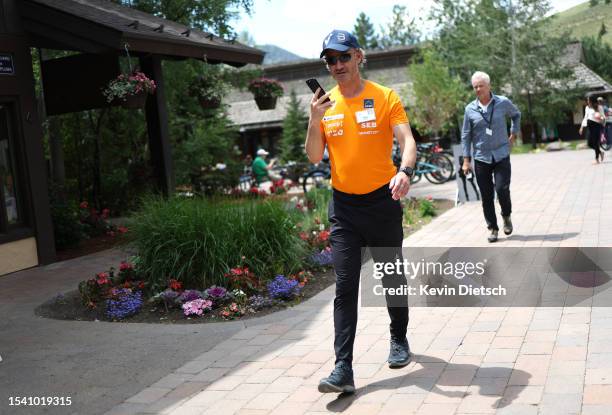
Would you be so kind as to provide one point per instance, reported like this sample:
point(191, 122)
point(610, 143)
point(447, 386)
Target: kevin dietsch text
point(460, 290)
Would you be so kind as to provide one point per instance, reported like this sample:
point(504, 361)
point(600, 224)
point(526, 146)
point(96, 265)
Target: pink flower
point(197, 307)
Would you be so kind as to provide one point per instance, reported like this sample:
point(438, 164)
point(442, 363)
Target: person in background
point(261, 168)
point(485, 136)
point(607, 114)
point(594, 121)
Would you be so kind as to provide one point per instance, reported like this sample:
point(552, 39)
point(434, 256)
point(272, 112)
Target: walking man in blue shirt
point(485, 137)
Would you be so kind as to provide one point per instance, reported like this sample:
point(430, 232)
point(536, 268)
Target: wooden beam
point(157, 126)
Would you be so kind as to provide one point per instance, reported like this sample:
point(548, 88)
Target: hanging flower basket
point(266, 92)
point(137, 101)
point(129, 91)
point(266, 103)
point(209, 87)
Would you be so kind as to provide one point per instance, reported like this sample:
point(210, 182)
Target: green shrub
point(427, 208)
point(317, 201)
point(67, 228)
point(197, 241)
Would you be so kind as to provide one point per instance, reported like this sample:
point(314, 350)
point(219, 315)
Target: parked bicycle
point(317, 177)
point(437, 167)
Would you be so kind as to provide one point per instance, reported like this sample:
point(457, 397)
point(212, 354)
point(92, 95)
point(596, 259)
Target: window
point(10, 206)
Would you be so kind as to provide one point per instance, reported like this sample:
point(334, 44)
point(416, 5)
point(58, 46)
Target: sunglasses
point(332, 60)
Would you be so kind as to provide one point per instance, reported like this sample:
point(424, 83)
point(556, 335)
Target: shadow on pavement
point(453, 375)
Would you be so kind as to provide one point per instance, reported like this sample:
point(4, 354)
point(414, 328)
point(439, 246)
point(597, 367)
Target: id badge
point(489, 131)
point(365, 115)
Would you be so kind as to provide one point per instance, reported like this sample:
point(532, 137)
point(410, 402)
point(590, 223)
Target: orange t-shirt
point(359, 136)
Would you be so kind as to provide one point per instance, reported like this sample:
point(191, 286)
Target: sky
point(299, 26)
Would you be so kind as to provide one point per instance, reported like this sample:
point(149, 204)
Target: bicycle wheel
point(416, 177)
point(316, 179)
point(443, 169)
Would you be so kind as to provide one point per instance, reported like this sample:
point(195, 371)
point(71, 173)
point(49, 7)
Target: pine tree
point(294, 132)
point(364, 31)
point(602, 30)
point(401, 31)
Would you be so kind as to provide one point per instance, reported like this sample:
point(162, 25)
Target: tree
point(294, 131)
point(365, 33)
point(246, 38)
point(593, 3)
point(401, 30)
point(438, 94)
point(602, 30)
point(507, 39)
point(597, 56)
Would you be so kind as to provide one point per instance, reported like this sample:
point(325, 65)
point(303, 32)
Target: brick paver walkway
point(528, 360)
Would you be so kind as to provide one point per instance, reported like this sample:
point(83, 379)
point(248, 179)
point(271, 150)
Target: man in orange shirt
point(358, 125)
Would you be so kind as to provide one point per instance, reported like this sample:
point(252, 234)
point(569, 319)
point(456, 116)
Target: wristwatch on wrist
point(408, 171)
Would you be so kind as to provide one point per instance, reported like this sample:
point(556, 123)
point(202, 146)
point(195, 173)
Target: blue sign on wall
point(6, 65)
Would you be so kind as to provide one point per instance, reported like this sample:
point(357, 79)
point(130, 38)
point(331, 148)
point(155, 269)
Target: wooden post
point(157, 126)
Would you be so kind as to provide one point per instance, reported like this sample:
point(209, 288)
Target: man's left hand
point(399, 185)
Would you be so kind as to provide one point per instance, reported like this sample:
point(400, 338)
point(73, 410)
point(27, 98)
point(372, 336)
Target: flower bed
point(261, 281)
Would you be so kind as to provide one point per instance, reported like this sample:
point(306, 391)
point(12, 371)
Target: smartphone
point(313, 84)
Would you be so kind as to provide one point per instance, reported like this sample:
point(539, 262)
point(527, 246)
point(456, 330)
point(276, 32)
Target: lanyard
point(482, 114)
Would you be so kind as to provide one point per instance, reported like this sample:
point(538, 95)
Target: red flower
point(122, 229)
point(105, 213)
point(303, 236)
point(84, 205)
point(175, 285)
point(102, 278)
point(429, 198)
point(125, 265)
point(141, 285)
point(324, 235)
point(237, 271)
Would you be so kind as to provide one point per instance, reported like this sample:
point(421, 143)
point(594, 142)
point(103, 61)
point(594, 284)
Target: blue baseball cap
point(339, 40)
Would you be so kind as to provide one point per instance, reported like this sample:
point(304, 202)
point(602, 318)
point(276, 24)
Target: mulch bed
point(91, 246)
point(70, 307)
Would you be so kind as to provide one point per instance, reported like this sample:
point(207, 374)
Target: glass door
point(10, 205)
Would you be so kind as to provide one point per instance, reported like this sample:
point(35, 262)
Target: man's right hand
point(466, 167)
point(318, 107)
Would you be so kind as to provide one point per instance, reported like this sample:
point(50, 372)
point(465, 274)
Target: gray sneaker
point(507, 225)
point(493, 236)
point(399, 353)
point(339, 381)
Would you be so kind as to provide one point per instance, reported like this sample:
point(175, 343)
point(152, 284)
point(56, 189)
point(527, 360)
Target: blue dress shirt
point(476, 122)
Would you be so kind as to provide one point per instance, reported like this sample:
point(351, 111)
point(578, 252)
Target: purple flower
point(125, 302)
point(215, 292)
point(168, 295)
point(322, 258)
point(189, 295)
point(283, 288)
point(257, 302)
